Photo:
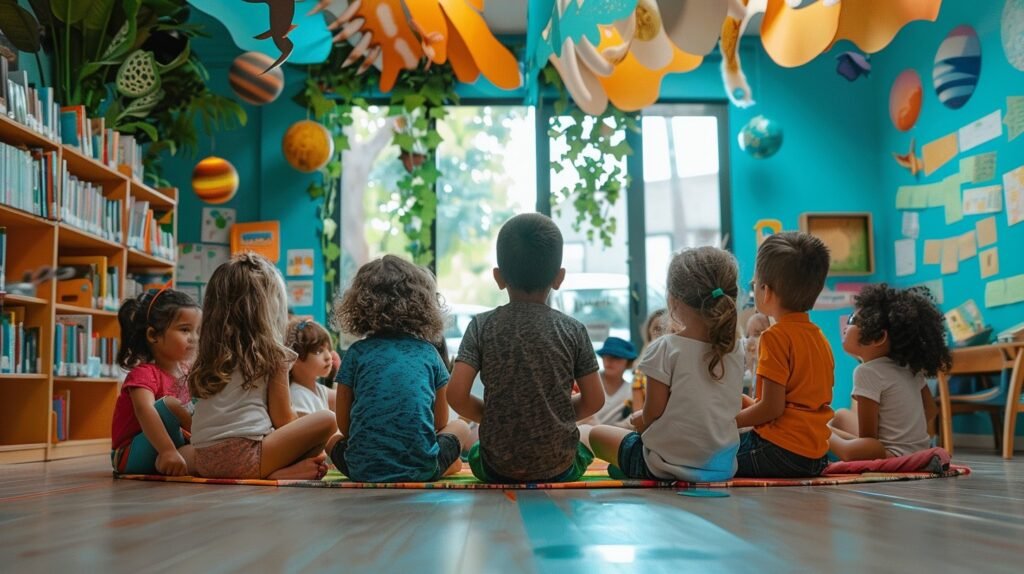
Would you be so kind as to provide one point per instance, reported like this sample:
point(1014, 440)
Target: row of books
point(83, 205)
point(95, 283)
point(61, 414)
point(28, 179)
point(19, 344)
point(78, 351)
point(150, 232)
point(32, 107)
point(36, 109)
point(137, 283)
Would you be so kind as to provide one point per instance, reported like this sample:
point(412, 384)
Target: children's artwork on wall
point(981, 200)
point(986, 229)
point(1012, 33)
point(216, 226)
point(299, 263)
point(950, 256)
point(300, 293)
point(261, 237)
point(1004, 291)
point(957, 67)
point(989, 262)
point(213, 257)
point(932, 251)
point(1014, 118)
point(910, 160)
point(906, 257)
point(965, 321)
point(911, 224)
point(967, 246)
point(214, 180)
point(849, 237)
point(1013, 192)
point(980, 131)
point(905, 100)
point(852, 65)
point(190, 263)
point(978, 168)
point(251, 80)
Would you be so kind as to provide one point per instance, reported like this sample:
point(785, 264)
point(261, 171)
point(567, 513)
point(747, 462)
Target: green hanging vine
point(596, 150)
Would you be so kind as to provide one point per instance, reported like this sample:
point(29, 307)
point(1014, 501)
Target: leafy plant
point(595, 150)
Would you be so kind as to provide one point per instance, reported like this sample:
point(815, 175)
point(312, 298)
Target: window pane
point(682, 198)
point(596, 286)
point(487, 159)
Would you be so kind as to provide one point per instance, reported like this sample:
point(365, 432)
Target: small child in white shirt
point(312, 343)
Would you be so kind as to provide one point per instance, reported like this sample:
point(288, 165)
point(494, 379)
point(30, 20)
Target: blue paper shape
point(247, 19)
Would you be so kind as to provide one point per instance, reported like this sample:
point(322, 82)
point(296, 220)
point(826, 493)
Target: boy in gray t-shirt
point(528, 356)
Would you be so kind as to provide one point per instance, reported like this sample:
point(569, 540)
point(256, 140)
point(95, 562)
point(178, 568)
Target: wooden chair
point(1001, 362)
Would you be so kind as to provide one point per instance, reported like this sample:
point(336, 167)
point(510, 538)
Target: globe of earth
point(761, 137)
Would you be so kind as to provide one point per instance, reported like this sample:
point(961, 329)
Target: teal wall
point(836, 155)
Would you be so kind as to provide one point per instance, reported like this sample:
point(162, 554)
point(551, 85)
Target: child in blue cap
point(617, 356)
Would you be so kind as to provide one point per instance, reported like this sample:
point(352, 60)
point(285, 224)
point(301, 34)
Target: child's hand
point(171, 463)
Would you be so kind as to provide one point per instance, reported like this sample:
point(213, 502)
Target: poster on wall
point(190, 263)
point(299, 263)
point(261, 237)
point(300, 293)
point(213, 257)
point(1013, 193)
point(217, 222)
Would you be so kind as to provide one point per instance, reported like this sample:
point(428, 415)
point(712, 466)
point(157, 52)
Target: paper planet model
point(761, 137)
point(214, 180)
point(957, 67)
point(250, 83)
point(905, 100)
point(1012, 32)
point(307, 146)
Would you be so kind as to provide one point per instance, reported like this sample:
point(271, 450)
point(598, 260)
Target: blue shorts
point(631, 459)
point(448, 452)
point(139, 455)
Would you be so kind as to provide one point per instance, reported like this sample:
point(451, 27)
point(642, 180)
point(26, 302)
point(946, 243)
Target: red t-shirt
point(149, 376)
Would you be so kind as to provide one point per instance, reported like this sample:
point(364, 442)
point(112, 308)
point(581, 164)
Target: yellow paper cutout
point(989, 262)
point(794, 37)
point(950, 256)
point(631, 86)
point(766, 224)
point(932, 251)
point(966, 246)
point(986, 229)
point(937, 152)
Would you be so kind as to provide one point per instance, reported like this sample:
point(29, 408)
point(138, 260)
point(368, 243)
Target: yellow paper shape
point(631, 86)
point(794, 37)
point(932, 251)
point(966, 246)
point(937, 152)
point(989, 262)
point(986, 231)
point(872, 24)
point(950, 256)
point(490, 56)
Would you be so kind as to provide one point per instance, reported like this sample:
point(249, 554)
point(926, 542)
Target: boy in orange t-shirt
point(795, 366)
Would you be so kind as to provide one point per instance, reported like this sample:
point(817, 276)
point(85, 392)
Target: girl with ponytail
point(687, 429)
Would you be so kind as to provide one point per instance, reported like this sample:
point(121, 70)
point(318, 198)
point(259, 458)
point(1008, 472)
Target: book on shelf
point(19, 344)
point(3, 257)
point(149, 231)
point(28, 179)
point(79, 351)
point(83, 205)
point(61, 414)
point(3, 86)
point(130, 157)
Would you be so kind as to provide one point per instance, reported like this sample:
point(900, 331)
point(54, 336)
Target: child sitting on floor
point(756, 324)
point(795, 367)
point(528, 356)
point(159, 333)
point(617, 355)
point(655, 326)
point(392, 409)
point(244, 425)
point(687, 429)
point(312, 343)
point(900, 338)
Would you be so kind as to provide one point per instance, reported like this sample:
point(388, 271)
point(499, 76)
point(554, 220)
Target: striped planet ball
point(214, 180)
point(249, 82)
point(957, 67)
point(307, 146)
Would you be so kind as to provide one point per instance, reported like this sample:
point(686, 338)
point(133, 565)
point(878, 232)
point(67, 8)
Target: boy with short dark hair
point(795, 365)
point(528, 356)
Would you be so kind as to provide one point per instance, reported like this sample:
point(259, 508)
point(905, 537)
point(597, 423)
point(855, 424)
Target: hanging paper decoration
point(736, 21)
point(438, 30)
point(214, 180)
point(957, 67)
point(910, 160)
point(253, 27)
point(905, 100)
point(307, 146)
point(1012, 32)
point(852, 65)
point(251, 82)
point(761, 137)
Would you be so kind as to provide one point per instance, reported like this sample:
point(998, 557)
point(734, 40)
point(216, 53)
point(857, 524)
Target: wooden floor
point(71, 516)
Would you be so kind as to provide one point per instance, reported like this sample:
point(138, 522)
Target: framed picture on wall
point(850, 239)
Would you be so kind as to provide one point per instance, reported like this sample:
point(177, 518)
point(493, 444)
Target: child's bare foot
point(454, 468)
point(306, 469)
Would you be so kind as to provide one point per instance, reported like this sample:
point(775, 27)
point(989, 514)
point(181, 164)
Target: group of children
point(230, 390)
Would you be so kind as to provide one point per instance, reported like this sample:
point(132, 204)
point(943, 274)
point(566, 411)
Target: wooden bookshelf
point(26, 400)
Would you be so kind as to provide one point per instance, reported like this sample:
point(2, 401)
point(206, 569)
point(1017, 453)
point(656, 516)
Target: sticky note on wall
point(989, 262)
point(986, 229)
point(966, 246)
point(950, 255)
point(932, 251)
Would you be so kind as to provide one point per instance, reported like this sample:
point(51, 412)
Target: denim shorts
point(631, 459)
point(758, 458)
point(448, 452)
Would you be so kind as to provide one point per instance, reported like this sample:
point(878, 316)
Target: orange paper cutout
point(493, 59)
point(631, 86)
point(938, 152)
point(399, 49)
point(432, 28)
point(794, 37)
point(872, 24)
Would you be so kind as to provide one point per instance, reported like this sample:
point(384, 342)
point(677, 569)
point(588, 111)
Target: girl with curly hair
point(244, 425)
point(392, 406)
point(900, 338)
